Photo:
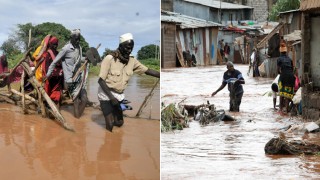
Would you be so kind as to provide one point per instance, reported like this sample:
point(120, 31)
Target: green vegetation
point(14, 59)
point(150, 63)
point(17, 44)
point(18, 41)
point(94, 70)
point(172, 118)
point(281, 6)
point(149, 51)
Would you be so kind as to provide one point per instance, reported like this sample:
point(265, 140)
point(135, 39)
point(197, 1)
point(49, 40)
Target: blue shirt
point(230, 76)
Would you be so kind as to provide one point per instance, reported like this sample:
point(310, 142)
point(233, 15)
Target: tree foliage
point(281, 6)
point(106, 52)
point(18, 41)
point(10, 48)
point(149, 51)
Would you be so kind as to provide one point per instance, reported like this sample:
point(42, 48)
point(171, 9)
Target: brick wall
point(260, 12)
point(168, 45)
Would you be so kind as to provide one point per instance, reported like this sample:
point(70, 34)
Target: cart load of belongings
point(207, 113)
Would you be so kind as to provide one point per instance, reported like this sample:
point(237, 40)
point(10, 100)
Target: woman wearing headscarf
point(54, 85)
point(286, 79)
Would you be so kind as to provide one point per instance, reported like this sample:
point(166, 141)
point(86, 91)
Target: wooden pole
point(26, 96)
point(60, 119)
point(146, 100)
point(83, 66)
point(22, 92)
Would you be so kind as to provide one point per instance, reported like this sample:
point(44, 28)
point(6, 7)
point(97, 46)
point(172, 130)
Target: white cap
point(126, 37)
point(76, 31)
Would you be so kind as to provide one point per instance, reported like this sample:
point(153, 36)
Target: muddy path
point(229, 150)
point(33, 147)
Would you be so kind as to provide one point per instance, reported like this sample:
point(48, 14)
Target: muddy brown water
point(229, 150)
point(33, 147)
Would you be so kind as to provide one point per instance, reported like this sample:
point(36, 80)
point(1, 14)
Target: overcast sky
point(100, 21)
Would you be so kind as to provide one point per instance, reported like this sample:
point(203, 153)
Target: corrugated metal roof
point(186, 21)
point(291, 11)
point(216, 4)
point(295, 36)
point(306, 5)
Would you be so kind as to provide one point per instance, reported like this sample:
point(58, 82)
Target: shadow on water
point(228, 150)
point(33, 147)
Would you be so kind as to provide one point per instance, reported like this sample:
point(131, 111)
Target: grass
point(12, 61)
point(151, 63)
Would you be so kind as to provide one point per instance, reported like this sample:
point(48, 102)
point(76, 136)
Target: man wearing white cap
point(70, 57)
point(116, 70)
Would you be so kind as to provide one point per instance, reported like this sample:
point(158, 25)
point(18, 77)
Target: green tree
point(106, 52)
point(149, 51)
point(19, 40)
point(58, 30)
point(10, 48)
point(281, 6)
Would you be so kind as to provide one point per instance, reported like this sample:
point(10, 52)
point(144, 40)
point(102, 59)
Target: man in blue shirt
point(234, 79)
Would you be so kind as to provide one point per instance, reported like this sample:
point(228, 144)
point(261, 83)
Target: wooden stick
point(6, 98)
point(53, 107)
point(146, 99)
point(83, 66)
point(16, 66)
point(26, 95)
point(22, 92)
point(40, 101)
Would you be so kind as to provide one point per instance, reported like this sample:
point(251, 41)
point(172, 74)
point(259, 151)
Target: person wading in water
point(286, 80)
point(234, 79)
point(115, 72)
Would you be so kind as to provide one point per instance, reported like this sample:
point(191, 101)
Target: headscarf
point(53, 40)
point(283, 47)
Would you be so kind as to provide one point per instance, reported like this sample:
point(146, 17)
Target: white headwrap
point(125, 37)
point(75, 31)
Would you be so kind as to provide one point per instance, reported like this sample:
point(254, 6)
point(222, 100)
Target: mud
point(33, 147)
point(234, 149)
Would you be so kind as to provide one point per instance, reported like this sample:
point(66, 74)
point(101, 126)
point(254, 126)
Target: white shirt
point(275, 81)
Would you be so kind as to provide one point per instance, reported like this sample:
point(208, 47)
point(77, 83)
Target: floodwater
point(32, 147)
point(229, 150)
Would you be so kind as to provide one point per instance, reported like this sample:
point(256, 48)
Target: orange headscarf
point(283, 47)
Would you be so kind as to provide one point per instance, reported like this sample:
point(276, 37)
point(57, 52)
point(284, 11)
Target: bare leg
point(118, 119)
point(80, 103)
point(84, 100)
point(281, 103)
point(76, 104)
point(287, 104)
point(109, 121)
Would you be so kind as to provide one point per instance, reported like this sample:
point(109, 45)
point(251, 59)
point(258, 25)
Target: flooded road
point(229, 150)
point(32, 147)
